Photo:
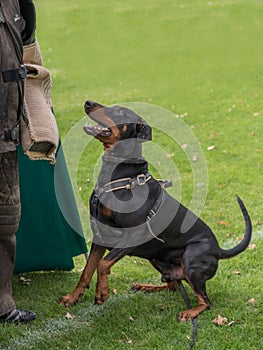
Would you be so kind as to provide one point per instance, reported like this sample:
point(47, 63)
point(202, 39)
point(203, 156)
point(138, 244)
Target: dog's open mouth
point(97, 130)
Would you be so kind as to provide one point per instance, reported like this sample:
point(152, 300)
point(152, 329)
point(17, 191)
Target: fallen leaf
point(211, 148)
point(252, 246)
point(170, 156)
point(213, 135)
point(25, 281)
point(220, 320)
point(222, 223)
point(115, 291)
point(252, 301)
point(231, 323)
point(132, 319)
point(181, 115)
point(236, 272)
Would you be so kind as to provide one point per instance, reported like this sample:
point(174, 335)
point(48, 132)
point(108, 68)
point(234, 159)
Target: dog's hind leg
point(203, 302)
point(152, 288)
point(198, 268)
point(95, 256)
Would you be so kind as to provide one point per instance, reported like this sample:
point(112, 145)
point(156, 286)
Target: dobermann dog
point(132, 214)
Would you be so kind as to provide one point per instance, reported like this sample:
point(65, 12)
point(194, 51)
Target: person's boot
point(17, 316)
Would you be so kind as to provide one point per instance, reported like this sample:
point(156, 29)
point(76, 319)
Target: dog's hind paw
point(186, 316)
point(190, 314)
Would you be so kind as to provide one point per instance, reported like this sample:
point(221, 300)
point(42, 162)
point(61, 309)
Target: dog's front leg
point(102, 288)
point(95, 256)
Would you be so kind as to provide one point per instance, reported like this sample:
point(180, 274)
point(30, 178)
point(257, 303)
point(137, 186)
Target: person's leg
point(9, 221)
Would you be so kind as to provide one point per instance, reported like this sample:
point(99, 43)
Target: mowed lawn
point(201, 61)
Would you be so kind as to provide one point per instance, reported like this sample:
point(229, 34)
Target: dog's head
point(115, 124)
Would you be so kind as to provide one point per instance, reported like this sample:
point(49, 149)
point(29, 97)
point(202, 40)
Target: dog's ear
point(144, 131)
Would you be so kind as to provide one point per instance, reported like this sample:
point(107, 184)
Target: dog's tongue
point(95, 130)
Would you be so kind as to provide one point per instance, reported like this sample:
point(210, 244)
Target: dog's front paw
point(69, 299)
point(102, 294)
point(100, 297)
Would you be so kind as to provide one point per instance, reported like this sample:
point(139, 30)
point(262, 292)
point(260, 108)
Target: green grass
point(203, 58)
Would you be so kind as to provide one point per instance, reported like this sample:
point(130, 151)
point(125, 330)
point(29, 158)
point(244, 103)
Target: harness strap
point(28, 12)
point(152, 213)
point(17, 74)
point(12, 134)
point(156, 206)
point(125, 183)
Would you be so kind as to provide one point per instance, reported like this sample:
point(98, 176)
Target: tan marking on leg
point(148, 288)
point(102, 287)
point(95, 256)
point(188, 315)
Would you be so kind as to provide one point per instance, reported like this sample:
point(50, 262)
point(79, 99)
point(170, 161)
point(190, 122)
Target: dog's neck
point(123, 161)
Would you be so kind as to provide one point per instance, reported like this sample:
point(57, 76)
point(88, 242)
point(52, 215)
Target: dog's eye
point(119, 110)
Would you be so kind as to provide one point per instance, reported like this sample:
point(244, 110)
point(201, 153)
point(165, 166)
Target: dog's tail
point(227, 254)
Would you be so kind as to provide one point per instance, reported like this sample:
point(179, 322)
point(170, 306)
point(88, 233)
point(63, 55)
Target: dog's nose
point(89, 104)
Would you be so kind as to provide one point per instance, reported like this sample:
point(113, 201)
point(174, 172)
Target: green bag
point(45, 239)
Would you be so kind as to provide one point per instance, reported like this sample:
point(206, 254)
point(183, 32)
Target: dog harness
point(150, 229)
point(125, 183)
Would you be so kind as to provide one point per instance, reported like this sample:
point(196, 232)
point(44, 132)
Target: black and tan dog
point(132, 214)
